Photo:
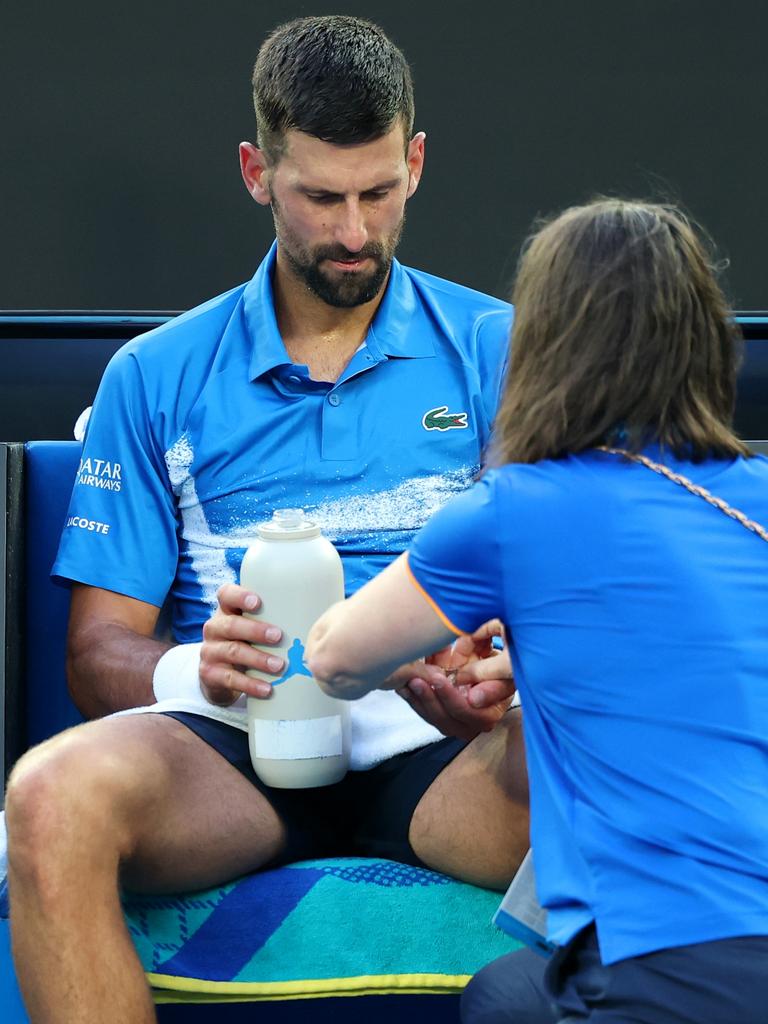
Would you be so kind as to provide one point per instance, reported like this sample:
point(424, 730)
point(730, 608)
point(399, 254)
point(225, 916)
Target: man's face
point(339, 212)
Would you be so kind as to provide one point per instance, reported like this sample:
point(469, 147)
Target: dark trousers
point(720, 982)
point(510, 990)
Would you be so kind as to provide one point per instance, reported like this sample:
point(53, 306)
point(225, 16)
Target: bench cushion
point(351, 926)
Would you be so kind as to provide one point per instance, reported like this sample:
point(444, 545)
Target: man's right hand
point(227, 653)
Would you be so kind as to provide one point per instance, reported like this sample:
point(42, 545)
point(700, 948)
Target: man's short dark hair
point(335, 77)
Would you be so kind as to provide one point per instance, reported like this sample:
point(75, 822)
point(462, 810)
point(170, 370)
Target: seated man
point(336, 380)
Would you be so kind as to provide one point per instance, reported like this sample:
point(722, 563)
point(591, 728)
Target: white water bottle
point(299, 736)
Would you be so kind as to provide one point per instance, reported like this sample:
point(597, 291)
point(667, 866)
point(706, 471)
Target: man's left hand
point(462, 690)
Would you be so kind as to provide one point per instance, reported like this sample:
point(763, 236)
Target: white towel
point(382, 723)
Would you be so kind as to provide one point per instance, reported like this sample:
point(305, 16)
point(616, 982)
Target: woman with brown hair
point(617, 536)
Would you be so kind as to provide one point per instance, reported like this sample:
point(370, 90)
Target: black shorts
point(367, 814)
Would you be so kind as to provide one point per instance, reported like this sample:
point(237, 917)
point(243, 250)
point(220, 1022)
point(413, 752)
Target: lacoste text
point(88, 524)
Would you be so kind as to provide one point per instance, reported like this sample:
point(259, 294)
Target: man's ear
point(415, 160)
point(255, 172)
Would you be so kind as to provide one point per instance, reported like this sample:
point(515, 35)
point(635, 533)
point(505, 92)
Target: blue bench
point(406, 939)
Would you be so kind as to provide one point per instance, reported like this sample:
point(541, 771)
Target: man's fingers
point(424, 701)
point(233, 653)
point(457, 703)
point(223, 684)
point(233, 598)
point(490, 693)
point(445, 707)
point(414, 670)
point(457, 710)
point(421, 697)
point(498, 666)
point(233, 627)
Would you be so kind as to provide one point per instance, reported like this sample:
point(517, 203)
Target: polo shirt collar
point(267, 348)
point(388, 335)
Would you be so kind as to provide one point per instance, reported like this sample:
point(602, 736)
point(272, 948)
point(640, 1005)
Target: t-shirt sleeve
point(120, 529)
point(455, 560)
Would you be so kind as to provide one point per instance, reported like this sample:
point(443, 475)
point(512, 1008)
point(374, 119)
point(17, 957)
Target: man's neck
point(316, 334)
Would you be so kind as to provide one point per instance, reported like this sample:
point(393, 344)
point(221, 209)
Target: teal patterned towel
point(350, 926)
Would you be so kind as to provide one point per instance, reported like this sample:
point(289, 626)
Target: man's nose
point(351, 230)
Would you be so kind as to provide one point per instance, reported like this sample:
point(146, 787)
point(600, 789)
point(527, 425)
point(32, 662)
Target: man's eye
point(324, 199)
point(376, 195)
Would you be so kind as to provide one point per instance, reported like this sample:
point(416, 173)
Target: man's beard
point(344, 289)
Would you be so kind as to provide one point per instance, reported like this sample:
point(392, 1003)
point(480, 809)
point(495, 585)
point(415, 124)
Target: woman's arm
point(357, 645)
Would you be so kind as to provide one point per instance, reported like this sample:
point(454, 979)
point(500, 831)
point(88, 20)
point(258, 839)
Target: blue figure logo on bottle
point(296, 665)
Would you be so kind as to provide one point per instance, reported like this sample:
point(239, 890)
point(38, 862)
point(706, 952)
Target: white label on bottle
point(291, 740)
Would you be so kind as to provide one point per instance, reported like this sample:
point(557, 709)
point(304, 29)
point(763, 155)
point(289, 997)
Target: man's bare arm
point(111, 651)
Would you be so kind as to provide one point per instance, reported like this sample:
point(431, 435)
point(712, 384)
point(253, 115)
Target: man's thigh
point(179, 815)
point(472, 822)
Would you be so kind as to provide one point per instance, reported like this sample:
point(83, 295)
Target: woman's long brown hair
point(621, 335)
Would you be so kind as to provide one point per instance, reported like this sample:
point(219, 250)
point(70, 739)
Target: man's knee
point(73, 789)
point(509, 990)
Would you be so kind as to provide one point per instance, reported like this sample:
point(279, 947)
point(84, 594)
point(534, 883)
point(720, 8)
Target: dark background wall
point(119, 125)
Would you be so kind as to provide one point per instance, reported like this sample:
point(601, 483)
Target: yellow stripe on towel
point(170, 989)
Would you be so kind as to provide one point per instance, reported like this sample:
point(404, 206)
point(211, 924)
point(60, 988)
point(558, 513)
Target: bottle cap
point(288, 524)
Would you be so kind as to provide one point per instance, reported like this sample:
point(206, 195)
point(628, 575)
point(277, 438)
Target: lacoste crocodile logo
point(441, 419)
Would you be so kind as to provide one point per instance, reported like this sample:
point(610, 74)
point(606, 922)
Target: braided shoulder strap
point(700, 492)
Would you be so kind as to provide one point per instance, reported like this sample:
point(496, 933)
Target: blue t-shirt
point(638, 623)
point(203, 427)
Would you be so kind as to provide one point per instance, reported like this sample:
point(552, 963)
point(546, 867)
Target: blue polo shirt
point(203, 427)
point(638, 623)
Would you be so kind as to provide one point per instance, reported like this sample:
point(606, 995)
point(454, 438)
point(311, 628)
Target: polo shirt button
point(334, 399)
point(294, 379)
